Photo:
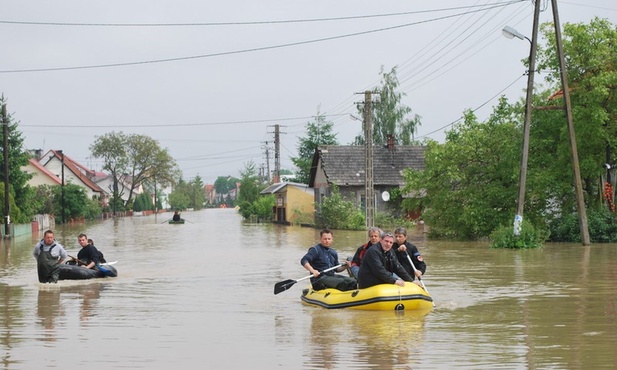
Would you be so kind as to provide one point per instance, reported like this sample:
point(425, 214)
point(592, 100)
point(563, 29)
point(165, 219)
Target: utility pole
point(580, 199)
point(62, 186)
point(156, 207)
point(369, 189)
point(520, 204)
point(5, 146)
point(267, 150)
point(276, 177)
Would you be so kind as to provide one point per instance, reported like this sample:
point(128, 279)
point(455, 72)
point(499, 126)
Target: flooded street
point(200, 295)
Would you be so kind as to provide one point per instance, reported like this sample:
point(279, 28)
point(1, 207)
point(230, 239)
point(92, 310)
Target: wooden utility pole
point(277, 154)
point(520, 204)
point(267, 150)
point(368, 144)
point(580, 199)
point(5, 146)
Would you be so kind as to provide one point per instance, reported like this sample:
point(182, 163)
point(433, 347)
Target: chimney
point(390, 142)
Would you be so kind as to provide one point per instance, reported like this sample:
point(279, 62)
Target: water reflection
point(52, 304)
point(376, 339)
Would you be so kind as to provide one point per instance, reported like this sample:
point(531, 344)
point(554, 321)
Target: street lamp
point(510, 32)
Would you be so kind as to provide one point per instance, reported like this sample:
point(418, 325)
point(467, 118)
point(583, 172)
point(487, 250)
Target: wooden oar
point(77, 260)
point(282, 286)
point(419, 278)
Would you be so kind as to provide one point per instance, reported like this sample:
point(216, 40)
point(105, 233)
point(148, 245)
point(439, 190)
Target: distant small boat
point(176, 222)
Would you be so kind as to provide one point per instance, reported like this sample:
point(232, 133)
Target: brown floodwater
point(200, 296)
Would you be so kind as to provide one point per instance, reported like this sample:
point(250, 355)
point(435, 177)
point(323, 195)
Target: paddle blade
point(282, 286)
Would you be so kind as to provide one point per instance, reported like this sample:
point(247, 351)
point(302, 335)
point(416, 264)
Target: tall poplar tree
point(318, 132)
point(390, 116)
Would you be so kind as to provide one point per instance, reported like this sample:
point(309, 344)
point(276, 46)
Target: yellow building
point(294, 203)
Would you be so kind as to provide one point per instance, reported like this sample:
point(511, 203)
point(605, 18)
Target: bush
point(602, 227)
point(530, 237)
point(338, 213)
point(387, 222)
point(93, 209)
point(262, 207)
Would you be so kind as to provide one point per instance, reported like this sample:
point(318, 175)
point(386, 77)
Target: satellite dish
point(385, 196)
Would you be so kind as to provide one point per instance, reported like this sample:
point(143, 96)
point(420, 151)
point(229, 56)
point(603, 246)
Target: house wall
point(298, 199)
point(55, 167)
point(107, 184)
point(38, 178)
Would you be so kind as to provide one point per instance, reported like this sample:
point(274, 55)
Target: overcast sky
point(209, 80)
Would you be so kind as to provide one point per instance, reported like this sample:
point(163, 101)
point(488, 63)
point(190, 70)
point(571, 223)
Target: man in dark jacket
point(404, 248)
point(374, 236)
point(322, 257)
point(380, 264)
point(88, 253)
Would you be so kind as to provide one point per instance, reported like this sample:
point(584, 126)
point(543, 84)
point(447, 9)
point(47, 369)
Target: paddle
point(419, 278)
point(282, 286)
point(77, 260)
point(166, 220)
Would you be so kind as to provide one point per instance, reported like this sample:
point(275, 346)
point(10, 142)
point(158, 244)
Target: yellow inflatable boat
point(383, 297)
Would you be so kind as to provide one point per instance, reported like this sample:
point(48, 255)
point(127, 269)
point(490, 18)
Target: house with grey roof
point(345, 167)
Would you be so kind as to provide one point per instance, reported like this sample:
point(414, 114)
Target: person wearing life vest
point(49, 255)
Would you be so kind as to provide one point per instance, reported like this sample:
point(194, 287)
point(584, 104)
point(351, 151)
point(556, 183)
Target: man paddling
point(88, 255)
point(322, 257)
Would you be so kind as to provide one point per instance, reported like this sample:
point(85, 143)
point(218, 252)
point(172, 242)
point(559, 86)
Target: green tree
point(471, 180)
point(44, 195)
point(250, 187)
point(111, 148)
point(224, 184)
point(148, 161)
point(591, 60)
point(143, 202)
point(23, 194)
point(198, 196)
point(390, 116)
point(188, 194)
point(180, 198)
point(133, 160)
point(73, 205)
point(318, 132)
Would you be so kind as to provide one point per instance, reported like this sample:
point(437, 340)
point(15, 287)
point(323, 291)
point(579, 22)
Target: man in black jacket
point(404, 248)
point(380, 264)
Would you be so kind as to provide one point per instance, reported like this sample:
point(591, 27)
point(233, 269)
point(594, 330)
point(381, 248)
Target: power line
point(249, 50)
point(120, 125)
point(247, 23)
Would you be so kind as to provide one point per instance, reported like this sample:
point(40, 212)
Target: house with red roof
point(65, 168)
point(40, 174)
